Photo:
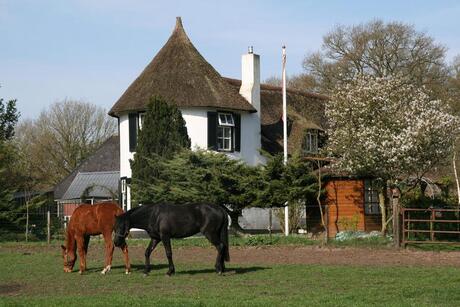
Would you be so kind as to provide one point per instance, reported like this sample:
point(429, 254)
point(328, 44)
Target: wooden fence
point(431, 225)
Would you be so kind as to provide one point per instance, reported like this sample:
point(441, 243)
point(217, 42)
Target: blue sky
point(93, 49)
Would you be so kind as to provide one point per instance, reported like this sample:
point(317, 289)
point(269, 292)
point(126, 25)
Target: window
point(371, 198)
point(225, 129)
point(226, 120)
point(311, 142)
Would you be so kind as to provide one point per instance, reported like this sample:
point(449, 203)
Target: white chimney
point(250, 78)
point(250, 122)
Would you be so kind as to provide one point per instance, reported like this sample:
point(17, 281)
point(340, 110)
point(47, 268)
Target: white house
point(227, 115)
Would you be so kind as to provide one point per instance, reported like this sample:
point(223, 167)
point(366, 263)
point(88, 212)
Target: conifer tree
point(8, 170)
point(162, 135)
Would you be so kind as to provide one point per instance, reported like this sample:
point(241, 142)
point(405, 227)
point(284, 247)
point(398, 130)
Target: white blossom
point(387, 127)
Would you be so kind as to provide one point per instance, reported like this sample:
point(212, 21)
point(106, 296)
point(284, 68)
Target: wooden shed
point(352, 205)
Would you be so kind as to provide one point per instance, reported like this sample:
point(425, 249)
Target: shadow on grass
point(140, 268)
point(134, 267)
point(227, 271)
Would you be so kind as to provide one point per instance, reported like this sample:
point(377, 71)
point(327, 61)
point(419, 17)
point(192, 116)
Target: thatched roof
point(181, 75)
point(305, 111)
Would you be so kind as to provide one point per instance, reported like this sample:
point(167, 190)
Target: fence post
point(326, 210)
point(48, 215)
point(396, 223)
point(403, 227)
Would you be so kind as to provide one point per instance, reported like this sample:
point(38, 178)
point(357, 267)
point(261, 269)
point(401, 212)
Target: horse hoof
point(127, 272)
point(80, 272)
point(146, 275)
point(105, 270)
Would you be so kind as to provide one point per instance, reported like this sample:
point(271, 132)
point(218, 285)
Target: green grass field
point(31, 274)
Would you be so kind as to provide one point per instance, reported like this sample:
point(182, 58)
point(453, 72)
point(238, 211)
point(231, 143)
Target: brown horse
point(90, 220)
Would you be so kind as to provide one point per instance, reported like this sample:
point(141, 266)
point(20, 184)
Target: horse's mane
point(138, 209)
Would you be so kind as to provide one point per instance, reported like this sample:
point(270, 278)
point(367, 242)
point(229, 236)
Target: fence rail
point(430, 225)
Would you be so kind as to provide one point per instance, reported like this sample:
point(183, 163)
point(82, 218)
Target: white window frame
point(226, 119)
point(227, 135)
point(311, 141)
point(140, 120)
point(225, 132)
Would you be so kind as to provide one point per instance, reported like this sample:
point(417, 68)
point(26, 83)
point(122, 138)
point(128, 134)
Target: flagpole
point(286, 208)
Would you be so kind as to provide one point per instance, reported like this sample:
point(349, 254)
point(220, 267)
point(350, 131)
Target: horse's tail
point(224, 237)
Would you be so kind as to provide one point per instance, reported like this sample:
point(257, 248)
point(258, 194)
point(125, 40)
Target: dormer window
point(311, 142)
point(225, 132)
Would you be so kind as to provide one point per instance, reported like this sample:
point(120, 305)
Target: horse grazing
point(165, 221)
point(90, 220)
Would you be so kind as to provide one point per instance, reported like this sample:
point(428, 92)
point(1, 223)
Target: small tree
point(9, 182)
point(388, 129)
point(9, 116)
point(163, 134)
point(203, 176)
point(294, 183)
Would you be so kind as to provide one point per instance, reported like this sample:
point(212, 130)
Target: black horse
point(165, 221)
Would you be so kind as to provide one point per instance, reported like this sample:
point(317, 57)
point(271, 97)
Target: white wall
point(196, 120)
point(125, 155)
point(250, 140)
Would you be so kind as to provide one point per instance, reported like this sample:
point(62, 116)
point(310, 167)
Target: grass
point(251, 240)
point(274, 240)
point(32, 275)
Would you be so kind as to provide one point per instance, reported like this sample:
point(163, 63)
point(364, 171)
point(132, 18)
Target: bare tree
point(302, 82)
point(379, 49)
point(61, 137)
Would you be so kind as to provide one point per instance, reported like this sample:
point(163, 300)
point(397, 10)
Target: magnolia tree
point(388, 129)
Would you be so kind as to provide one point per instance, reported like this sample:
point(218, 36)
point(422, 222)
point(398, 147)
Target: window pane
point(230, 119)
point(220, 144)
point(371, 198)
point(220, 132)
point(314, 143)
point(222, 120)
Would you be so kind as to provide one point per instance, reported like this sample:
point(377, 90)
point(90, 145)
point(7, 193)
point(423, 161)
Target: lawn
point(31, 274)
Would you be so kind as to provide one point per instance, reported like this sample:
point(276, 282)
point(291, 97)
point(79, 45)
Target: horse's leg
point(215, 240)
point(81, 252)
point(126, 257)
point(167, 245)
point(108, 252)
point(148, 251)
point(87, 237)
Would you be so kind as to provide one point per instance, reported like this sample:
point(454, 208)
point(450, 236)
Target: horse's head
point(121, 230)
point(69, 260)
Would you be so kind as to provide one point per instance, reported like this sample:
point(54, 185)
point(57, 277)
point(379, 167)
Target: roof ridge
point(100, 172)
point(269, 87)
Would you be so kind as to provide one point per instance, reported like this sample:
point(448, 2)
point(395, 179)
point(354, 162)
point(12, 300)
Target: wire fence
point(36, 226)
